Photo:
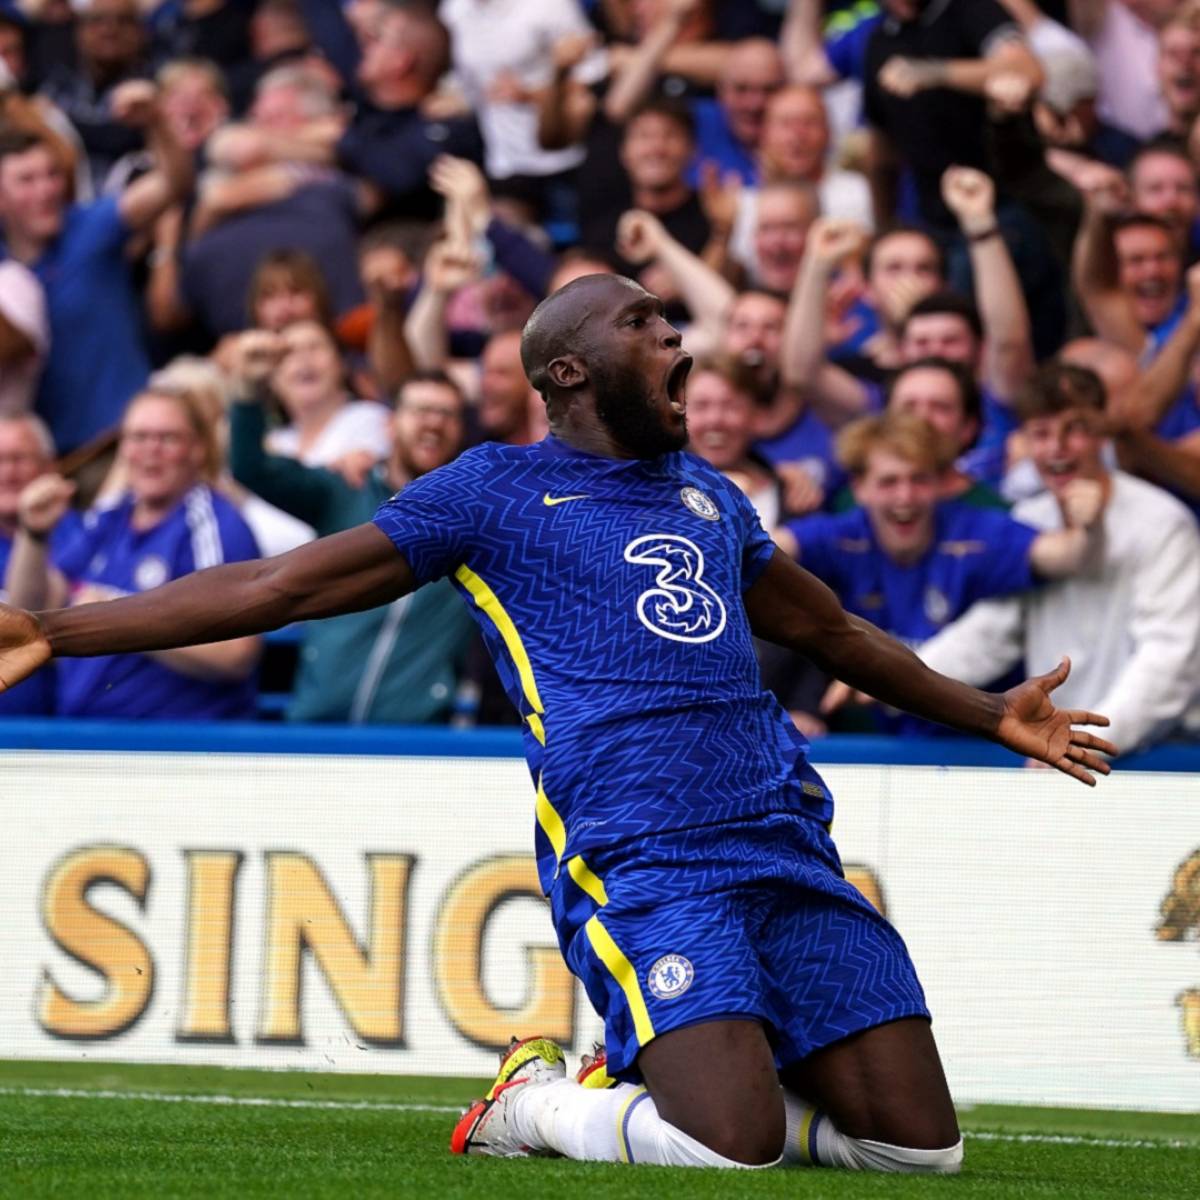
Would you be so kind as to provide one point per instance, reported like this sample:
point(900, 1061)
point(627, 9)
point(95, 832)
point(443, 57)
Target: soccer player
point(681, 835)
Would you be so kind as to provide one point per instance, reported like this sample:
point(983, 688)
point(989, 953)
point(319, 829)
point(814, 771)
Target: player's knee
point(880, 1156)
point(951, 1159)
point(749, 1143)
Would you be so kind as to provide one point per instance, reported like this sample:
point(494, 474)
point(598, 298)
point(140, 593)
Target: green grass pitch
point(97, 1130)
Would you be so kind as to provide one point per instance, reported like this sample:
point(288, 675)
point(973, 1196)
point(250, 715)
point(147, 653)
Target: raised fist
point(1104, 188)
point(831, 240)
point(639, 236)
point(971, 196)
point(254, 355)
point(135, 103)
point(1010, 92)
point(43, 503)
point(905, 77)
point(1083, 502)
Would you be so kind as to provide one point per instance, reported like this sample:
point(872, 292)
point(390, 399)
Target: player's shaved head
point(607, 362)
point(560, 324)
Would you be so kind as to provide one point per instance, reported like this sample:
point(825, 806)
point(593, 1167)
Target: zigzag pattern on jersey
point(642, 732)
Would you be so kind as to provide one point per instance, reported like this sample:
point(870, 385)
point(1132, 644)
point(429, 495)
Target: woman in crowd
point(325, 425)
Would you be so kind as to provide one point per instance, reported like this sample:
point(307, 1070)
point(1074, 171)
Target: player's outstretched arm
point(346, 572)
point(789, 606)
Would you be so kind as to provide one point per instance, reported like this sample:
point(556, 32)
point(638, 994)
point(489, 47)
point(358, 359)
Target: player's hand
point(43, 503)
point(135, 103)
point(639, 236)
point(1034, 728)
point(971, 196)
point(832, 240)
point(23, 646)
point(1082, 502)
point(905, 77)
point(253, 356)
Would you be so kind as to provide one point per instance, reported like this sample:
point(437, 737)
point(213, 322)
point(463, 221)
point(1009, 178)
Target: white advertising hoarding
point(381, 914)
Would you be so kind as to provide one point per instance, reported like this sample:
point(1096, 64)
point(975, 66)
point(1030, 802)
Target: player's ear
point(568, 372)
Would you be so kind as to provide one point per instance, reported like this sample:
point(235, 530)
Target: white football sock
point(813, 1140)
point(617, 1124)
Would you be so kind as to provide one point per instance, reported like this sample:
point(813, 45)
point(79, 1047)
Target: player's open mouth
point(677, 384)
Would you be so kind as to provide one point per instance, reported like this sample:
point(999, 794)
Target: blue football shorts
point(746, 920)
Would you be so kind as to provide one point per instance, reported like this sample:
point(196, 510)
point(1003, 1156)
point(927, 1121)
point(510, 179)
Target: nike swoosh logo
point(550, 501)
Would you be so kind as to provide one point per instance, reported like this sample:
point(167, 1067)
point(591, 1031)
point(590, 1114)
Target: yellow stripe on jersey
point(587, 879)
point(551, 823)
point(622, 971)
point(487, 600)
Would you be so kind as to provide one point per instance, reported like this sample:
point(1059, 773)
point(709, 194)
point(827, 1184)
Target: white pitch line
point(1071, 1139)
point(1049, 1139)
point(236, 1101)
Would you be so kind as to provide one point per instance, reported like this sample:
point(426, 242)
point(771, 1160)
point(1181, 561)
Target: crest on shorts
point(696, 501)
point(671, 976)
point(150, 573)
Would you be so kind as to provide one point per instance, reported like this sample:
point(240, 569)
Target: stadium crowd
point(267, 261)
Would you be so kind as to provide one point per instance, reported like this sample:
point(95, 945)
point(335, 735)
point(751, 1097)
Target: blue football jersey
point(109, 558)
point(976, 553)
point(609, 594)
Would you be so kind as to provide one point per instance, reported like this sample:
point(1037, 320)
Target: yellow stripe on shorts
point(622, 971)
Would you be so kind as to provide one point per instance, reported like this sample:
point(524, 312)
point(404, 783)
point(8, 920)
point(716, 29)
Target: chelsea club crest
point(150, 573)
point(696, 501)
point(671, 976)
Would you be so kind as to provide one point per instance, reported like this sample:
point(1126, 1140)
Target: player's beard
point(632, 415)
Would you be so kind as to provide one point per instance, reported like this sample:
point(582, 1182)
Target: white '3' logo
point(681, 606)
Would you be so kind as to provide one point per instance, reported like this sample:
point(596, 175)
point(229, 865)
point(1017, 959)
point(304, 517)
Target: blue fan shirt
point(108, 556)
